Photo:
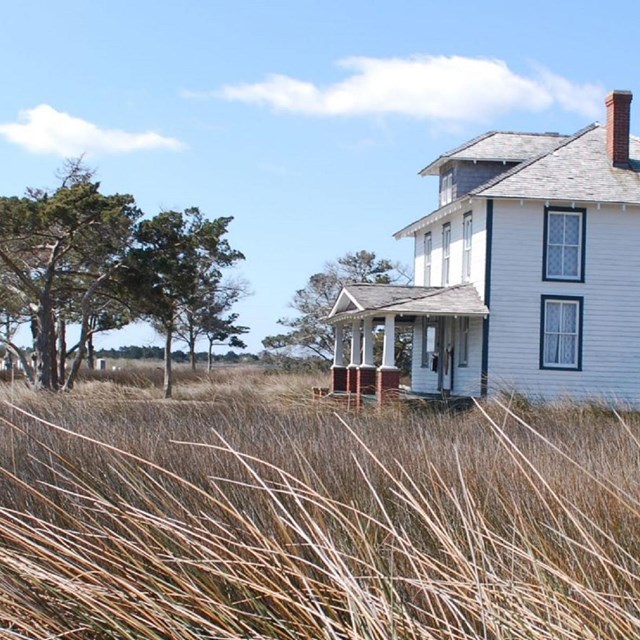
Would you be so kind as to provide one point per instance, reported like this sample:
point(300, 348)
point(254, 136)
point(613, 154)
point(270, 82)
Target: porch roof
point(358, 301)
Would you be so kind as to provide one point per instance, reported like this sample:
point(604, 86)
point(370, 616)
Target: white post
point(367, 340)
point(338, 351)
point(355, 344)
point(389, 345)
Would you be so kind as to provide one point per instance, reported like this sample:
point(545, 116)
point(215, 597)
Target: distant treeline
point(157, 353)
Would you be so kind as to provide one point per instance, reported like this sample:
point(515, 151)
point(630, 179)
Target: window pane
point(430, 339)
point(463, 347)
point(554, 261)
point(552, 324)
point(551, 348)
point(569, 318)
point(570, 267)
point(572, 230)
point(567, 349)
point(556, 229)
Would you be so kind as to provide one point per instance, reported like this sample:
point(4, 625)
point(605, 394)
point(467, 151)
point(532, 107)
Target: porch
point(363, 310)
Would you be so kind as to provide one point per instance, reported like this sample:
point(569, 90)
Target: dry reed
point(244, 510)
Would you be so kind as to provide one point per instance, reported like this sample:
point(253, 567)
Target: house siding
point(423, 380)
point(611, 322)
point(478, 245)
point(469, 175)
point(466, 379)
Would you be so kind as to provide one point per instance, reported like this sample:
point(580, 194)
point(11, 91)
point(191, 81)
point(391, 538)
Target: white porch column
point(338, 351)
point(388, 347)
point(355, 344)
point(367, 342)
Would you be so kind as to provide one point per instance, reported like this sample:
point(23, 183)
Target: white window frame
point(427, 250)
point(576, 333)
point(467, 235)
point(463, 341)
point(565, 212)
point(446, 253)
point(446, 187)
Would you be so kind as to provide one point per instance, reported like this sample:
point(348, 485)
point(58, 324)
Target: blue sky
point(305, 120)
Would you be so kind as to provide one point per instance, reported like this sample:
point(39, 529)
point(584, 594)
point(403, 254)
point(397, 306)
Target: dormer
point(463, 169)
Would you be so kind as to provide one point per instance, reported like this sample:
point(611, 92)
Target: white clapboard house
point(527, 274)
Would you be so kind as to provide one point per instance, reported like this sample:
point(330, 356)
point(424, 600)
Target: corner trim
point(484, 370)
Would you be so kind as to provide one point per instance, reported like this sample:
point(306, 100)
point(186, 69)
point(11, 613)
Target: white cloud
point(46, 130)
point(451, 88)
point(586, 99)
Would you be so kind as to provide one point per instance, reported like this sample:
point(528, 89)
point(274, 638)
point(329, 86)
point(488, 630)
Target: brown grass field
point(242, 509)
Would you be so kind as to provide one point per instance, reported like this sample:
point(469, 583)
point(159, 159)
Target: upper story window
point(467, 233)
point(427, 259)
point(446, 253)
point(446, 188)
point(561, 333)
point(564, 234)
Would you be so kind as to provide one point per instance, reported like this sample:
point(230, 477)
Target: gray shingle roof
point(506, 146)
point(578, 169)
point(376, 299)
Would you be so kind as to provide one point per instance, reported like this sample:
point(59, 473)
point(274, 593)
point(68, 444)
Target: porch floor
point(406, 397)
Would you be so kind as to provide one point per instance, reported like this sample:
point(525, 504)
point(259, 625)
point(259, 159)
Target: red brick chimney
point(618, 119)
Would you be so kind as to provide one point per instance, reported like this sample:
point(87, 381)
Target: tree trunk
point(85, 331)
point(168, 380)
point(45, 340)
point(54, 353)
point(192, 354)
point(8, 339)
point(210, 357)
point(91, 356)
point(43, 350)
point(191, 343)
point(80, 351)
point(27, 365)
point(62, 350)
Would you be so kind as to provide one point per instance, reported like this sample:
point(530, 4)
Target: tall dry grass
point(244, 510)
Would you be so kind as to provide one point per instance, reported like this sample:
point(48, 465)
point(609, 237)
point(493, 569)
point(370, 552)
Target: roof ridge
point(462, 146)
point(436, 291)
point(375, 284)
point(527, 163)
point(493, 132)
point(477, 139)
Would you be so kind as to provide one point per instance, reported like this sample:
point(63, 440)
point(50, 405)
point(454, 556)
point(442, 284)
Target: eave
point(464, 202)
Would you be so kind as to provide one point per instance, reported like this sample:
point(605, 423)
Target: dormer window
point(446, 187)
